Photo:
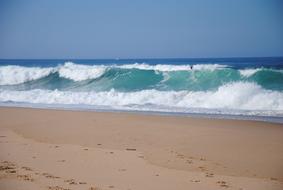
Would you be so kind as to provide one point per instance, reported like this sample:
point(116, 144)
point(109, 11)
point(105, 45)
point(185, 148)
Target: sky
point(90, 29)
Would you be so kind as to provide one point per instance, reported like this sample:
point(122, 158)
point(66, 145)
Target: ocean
point(249, 88)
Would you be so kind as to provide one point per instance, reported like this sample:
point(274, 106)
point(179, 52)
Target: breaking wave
point(239, 95)
point(142, 86)
point(10, 75)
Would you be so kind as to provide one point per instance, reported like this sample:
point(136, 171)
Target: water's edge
point(269, 119)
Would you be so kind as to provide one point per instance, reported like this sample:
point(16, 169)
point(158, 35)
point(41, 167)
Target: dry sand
point(56, 150)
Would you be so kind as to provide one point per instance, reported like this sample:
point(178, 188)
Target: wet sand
point(55, 150)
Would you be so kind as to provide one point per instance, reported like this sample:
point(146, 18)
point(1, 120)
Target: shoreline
point(225, 116)
point(127, 150)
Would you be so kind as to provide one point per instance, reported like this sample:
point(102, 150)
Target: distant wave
point(164, 68)
point(10, 75)
point(133, 77)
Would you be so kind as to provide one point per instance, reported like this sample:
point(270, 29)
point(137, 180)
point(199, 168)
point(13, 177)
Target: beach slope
point(56, 150)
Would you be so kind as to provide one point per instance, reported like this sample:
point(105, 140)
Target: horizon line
point(233, 57)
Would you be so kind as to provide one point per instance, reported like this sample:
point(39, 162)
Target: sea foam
point(164, 68)
point(249, 72)
point(10, 75)
point(18, 74)
point(238, 96)
point(78, 72)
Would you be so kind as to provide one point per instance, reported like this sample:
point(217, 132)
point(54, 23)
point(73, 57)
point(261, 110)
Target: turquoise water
point(247, 86)
point(129, 80)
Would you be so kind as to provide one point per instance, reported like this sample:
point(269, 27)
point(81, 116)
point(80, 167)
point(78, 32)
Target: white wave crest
point(238, 96)
point(248, 72)
point(210, 67)
point(143, 66)
point(10, 75)
point(78, 72)
point(164, 68)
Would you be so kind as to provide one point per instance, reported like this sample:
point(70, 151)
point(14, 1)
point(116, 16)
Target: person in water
point(191, 67)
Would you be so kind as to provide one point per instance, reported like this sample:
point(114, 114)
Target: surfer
point(191, 67)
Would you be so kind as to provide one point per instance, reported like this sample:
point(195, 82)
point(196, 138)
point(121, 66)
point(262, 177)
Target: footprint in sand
point(26, 168)
point(223, 184)
point(202, 168)
point(25, 177)
point(71, 181)
point(8, 167)
point(57, 188)
point(11, 168)
point(189, 161)
point(131, 149)
point(273, 179)
point(195, 181)
point(209, 175)
point(4, 168)
point(47, 175)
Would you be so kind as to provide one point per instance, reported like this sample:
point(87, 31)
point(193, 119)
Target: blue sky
point(140, 28)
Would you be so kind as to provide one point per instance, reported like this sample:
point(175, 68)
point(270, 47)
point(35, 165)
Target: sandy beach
point(59, 150)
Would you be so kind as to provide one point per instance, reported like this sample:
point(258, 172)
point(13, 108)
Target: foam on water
point(238, 96)
point(207, 88)
point(248, 72)
point(163, 68)
point(10, 75)
point(251, 72)
point(77, 72)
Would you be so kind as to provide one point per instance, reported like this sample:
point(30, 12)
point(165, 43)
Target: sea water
point(237, 87)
